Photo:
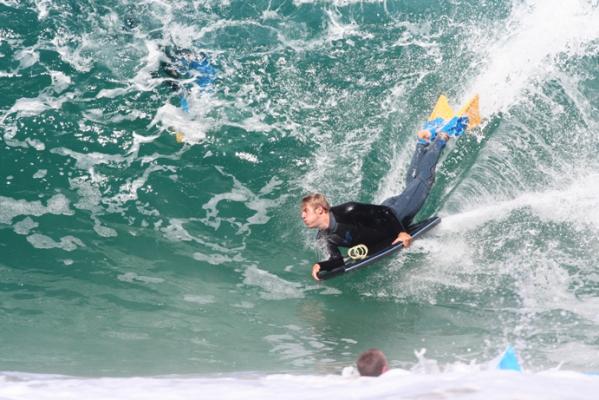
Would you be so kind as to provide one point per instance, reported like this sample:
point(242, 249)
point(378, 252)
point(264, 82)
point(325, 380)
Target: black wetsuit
point(353, 223)
point(376, 226)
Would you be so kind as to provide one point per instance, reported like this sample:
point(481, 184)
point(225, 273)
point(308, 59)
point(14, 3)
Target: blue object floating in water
point(207, 73)
point(509, 361)
point(184, 104)
point(201, 69)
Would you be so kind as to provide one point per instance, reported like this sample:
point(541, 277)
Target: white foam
point(138, 140)
point(526, 51)
point(27, 57)
point(270, 14)
point(143, 79)
point(67, 243)
point(36, 144)
point(337, 30)
point(199, 299)
point(112, 93)
point(291, 349)
point(175, 119)
point(214, 258)
point(128, 191)
point(393, 181)
point(4, 74)
point(244, 304)
point(102, 230)
point(217, 254)
point(574, 203)
point(28, 107)
point(64, 44)
point(240, 193)
point(10, 3)
point(60, 81)
point(42, 8)
point(14, 41)
point(273, 287)
point(460, 255)
point(340, 184)
point(85, 161)
point(132, 277)
point(24, 226)
point(183, 35)
point(129, 116)
point(89, 195)
point(10, 208)
point(426, 380)
point(338, 3)
point(176, 232)
point(252, 158)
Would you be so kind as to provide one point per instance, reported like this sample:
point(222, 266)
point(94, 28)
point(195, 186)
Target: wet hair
point(372, 363)
point(316, 200)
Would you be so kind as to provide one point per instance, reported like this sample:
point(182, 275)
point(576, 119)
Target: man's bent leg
point(406, 205)
point(418, 153)
point(427, 164)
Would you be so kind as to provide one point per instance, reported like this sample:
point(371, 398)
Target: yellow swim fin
point(471, 111)
point(442, 110)
point(179, 137)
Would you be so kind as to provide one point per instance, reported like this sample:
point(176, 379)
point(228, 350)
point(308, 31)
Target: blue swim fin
point(456, 126)
point(433, 126)
point(444, 119)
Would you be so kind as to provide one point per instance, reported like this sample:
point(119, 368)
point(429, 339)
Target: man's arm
point(335, 258)
point(327, 265)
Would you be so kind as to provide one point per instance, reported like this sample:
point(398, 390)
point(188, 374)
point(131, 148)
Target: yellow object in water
point(471, 111)
point(444, 111)
point(179, 137)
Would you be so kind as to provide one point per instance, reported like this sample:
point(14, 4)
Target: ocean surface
point(150, 252)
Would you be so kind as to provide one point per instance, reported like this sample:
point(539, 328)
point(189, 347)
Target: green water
point(125, 252)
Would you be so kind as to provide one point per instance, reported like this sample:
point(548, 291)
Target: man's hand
point(405, 238)
point(315, 269)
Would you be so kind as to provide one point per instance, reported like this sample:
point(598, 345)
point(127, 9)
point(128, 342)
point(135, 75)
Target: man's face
point(312, 216)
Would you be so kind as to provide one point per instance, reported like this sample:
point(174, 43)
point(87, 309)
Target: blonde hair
point(315, 200)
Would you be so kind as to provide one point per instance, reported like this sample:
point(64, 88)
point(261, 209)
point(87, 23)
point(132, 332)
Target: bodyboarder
point(375, 226)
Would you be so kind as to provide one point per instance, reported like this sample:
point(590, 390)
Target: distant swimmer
point(185, 65)
point(372, 363)
point(367, 227)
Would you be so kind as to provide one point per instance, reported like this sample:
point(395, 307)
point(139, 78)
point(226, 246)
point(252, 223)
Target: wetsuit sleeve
point(335, 258)
point(331, 263)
